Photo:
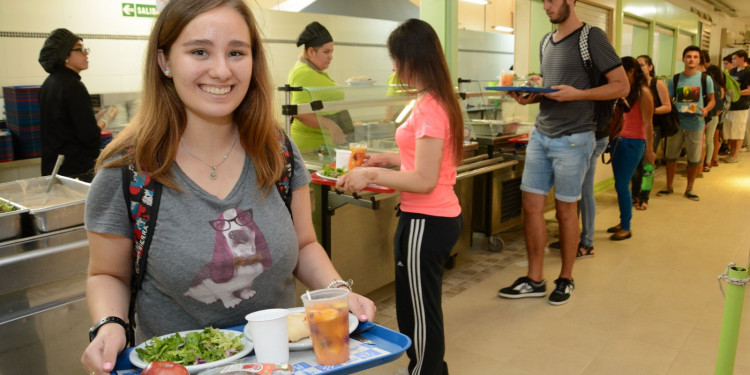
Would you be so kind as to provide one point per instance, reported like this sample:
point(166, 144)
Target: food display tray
point(318, 178)
point(533, 90)
point(388, 346)
point(52, 216)
point(10, 222)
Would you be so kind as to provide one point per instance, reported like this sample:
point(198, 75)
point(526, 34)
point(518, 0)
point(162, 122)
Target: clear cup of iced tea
point(358, 154)
point(327, 313)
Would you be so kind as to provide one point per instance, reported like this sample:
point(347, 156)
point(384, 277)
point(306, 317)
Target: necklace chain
point(212, 174)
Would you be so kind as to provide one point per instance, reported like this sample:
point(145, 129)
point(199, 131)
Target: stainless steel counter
point(43, 312)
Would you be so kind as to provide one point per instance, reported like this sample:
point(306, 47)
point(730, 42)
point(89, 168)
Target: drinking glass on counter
point(328, 316)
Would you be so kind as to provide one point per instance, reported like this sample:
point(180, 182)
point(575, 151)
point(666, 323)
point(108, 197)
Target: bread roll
point(298, 327)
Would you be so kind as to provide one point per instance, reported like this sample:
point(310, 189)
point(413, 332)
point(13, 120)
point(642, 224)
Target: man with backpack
point(692, 93)
point(562, 141)
point(735, 127)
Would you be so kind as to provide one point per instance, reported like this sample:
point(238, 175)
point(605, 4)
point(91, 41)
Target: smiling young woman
point(222, 245)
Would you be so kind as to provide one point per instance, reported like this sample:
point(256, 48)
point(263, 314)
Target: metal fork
point(357, 333)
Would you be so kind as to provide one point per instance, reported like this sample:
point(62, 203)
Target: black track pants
point(421, 246)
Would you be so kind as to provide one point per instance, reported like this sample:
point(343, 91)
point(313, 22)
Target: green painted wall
point(540, 26)
point(640, 41)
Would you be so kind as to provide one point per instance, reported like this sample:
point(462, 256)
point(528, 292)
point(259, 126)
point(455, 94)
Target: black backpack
point(603, 109)
point(142, 196)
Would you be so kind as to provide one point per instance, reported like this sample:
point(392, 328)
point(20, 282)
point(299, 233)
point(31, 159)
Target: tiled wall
point(117, 44)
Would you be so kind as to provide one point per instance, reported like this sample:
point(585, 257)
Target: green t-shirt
point(304, 75)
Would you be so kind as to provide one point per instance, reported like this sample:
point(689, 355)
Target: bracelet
point(339, 283)
point(110, 319)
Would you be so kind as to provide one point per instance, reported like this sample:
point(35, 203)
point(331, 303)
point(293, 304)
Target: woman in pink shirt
point(628, 148)
point(430, 146)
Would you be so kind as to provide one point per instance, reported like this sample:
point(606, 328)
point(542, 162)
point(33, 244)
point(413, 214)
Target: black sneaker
point(524, 287)
point(563, 291)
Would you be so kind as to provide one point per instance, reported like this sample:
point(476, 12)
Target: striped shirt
point(562, 65)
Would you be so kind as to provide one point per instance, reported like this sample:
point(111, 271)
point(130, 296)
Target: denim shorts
point(560, 162)
point(693, 142)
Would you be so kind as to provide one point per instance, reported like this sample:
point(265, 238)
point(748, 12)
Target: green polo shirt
point(305, 75)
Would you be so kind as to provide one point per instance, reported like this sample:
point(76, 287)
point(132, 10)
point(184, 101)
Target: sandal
point(642, 206)
point(584, 251)
point(706, 168)
point(556, 246)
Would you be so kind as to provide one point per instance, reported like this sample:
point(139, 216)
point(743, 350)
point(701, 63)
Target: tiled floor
point(647, 305)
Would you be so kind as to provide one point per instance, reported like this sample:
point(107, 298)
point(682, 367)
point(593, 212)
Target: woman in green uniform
point(307, 130)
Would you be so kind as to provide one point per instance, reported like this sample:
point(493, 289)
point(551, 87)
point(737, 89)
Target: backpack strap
point(704, 89)
point(583, 46)
point(142, 196)
point(284, 184)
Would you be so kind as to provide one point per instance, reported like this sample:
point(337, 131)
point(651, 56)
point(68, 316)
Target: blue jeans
point(560, 162)
point(587, 205)
point(626, 157)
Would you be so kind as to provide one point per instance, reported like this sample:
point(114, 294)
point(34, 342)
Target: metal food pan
point(492, 128)
point(64, 208)
point(10, 222)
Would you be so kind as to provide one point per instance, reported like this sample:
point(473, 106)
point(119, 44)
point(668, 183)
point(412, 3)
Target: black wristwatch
point(110, 319)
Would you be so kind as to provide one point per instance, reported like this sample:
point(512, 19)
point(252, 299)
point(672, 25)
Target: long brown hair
point(151, 140)
point(415, 48)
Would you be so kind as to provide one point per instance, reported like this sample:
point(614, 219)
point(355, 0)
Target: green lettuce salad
point(334, 172)
point(193, 348)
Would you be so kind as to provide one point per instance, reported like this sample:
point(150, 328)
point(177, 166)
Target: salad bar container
point(43, 259)
point(62, 208)
point(10, 222)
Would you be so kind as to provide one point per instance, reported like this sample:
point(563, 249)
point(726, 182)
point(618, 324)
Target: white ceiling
point(741, 6)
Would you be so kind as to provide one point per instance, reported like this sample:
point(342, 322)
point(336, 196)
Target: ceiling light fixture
point(480, 2)
point(504, 29)
point(293, 5)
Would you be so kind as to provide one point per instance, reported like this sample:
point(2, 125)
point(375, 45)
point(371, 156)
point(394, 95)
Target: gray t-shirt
point(562, 65)
point(211, 261)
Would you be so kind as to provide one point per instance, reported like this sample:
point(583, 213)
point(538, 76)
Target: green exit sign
point(138, 10)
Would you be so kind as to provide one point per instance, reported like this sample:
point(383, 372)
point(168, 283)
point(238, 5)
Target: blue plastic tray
point(384, 338)
point(534, 90)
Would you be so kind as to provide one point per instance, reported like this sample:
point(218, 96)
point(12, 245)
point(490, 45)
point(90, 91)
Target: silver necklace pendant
point(212, 174)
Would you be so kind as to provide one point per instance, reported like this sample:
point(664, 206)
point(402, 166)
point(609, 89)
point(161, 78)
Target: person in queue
point(713, 129)
point(309, 72)
point(739, 111)
point(662, 106)
point(206, 132)
point(68, 125)
point(628, 148)
point(561, 144)
point(430, 145)
point(688, 94)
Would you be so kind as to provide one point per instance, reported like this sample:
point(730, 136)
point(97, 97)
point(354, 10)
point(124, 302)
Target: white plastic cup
point(270, 335)
point(342, 158)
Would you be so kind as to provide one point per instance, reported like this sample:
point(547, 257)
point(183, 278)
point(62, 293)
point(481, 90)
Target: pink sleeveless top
point(632, 127)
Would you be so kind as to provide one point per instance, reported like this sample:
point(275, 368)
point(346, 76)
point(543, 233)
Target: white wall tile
point(116, 65)
point(31, 15)
point(22, 58)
